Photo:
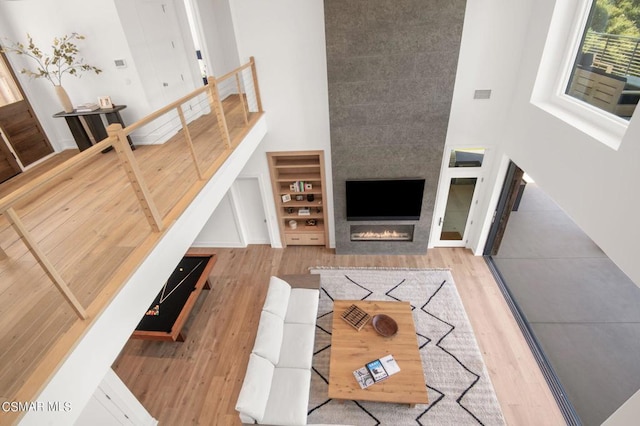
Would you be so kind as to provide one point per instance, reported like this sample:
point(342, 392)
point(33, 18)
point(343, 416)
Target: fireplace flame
point(384, 235)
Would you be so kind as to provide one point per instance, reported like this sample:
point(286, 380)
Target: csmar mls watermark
point(22, 406)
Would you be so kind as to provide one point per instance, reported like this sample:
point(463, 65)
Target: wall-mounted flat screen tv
point(384, 199)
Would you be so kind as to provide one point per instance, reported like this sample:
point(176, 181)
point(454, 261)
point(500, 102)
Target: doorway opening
point(573, 304)
point(194, 27)
point(22, 139)
point(462, 174)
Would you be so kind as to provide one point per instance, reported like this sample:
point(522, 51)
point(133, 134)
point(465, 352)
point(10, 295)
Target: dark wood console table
point(93, 120)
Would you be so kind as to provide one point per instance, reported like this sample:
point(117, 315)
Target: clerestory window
point(606, 72)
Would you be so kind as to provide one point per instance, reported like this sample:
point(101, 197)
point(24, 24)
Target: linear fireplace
point(382, 232)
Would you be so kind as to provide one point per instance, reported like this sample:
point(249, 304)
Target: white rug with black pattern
point(458, 385)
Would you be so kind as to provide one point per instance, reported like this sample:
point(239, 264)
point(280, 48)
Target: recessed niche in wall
point(466, 157)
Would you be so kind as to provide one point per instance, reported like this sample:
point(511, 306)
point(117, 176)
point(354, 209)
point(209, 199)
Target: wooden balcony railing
point(246, 87)
point(616, 54)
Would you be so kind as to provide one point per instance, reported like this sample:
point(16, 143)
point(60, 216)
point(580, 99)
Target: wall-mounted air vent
point(482, 94)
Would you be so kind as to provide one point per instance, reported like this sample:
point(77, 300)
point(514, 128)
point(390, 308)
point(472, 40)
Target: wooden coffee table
point(352, 349)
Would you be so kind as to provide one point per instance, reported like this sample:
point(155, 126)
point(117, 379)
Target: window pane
point(9, 92)
point(606, 73)
point(458, 206)
point(466, 157)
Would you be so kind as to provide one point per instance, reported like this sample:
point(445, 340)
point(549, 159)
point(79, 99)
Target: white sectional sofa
point(276, 386)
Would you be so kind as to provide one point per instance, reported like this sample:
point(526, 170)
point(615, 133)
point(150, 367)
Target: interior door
point(19, 124)
point(251, 210)
point(167, 52)
point(9, 167)
point(509, 198)
point(455, 221)
point(457, 195)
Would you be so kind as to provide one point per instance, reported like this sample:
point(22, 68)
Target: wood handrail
point(134, 174)
point(44, 262)
point(162, 111)
point(117, 138)
point(175, 104)
point(256, 87)
point(232, 73)
point(85, 155)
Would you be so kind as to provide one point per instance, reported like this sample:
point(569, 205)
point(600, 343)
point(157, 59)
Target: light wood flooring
point(198, 381)
point(92, 229)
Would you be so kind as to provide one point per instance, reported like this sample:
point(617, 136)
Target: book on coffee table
point(376, 371)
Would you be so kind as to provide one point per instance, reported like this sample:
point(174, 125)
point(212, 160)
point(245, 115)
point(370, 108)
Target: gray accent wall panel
point(391, 71)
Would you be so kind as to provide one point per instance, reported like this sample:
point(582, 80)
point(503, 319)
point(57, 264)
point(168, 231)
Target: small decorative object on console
point(105, 102)
point(87, 107)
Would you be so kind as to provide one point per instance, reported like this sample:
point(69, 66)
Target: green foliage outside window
point(620, 17)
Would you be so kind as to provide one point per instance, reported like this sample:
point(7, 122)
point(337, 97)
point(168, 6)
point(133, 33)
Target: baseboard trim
point(566, 408)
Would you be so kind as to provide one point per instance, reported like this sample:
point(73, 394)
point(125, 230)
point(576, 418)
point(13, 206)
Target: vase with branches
point(63, 59)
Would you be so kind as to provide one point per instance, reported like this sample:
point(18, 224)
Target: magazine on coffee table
point(376, 371)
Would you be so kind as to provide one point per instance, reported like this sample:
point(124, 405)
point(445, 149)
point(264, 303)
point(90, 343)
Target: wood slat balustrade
point(80, 225)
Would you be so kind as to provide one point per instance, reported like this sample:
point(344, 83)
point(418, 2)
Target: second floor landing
point(91, 226)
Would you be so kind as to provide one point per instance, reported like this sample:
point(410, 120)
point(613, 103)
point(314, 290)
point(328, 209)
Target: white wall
point(589, 180)
point(105, 41)
point(219, 44)
point(113, 404)
point(595, 185)
point(286, 37)
point(221, 230)
point(110, 28)
point(166, 73)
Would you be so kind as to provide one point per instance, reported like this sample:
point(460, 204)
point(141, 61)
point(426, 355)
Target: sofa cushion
point(277, 297)
point(303, 306)
point(289, 397)
point(269, 337)
point(256, 387)
point(297, 346)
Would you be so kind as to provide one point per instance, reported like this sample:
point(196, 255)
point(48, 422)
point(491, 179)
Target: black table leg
point(79, 134)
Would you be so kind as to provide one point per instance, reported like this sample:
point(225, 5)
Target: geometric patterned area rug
point(459, 388)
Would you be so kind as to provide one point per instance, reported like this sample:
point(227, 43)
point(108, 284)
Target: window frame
point(564, 39)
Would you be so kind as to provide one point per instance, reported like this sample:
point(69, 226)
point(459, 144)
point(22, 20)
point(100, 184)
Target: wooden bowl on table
point(384, 325)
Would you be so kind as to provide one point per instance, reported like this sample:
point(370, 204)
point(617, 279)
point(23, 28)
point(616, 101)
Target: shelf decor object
point(292, 174)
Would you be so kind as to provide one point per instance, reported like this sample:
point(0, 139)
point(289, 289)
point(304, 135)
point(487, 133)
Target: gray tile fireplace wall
point(391, 70)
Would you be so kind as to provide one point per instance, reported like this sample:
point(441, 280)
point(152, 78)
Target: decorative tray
point(356, 317)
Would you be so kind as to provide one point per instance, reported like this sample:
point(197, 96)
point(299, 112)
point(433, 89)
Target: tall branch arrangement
point(62, 60)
